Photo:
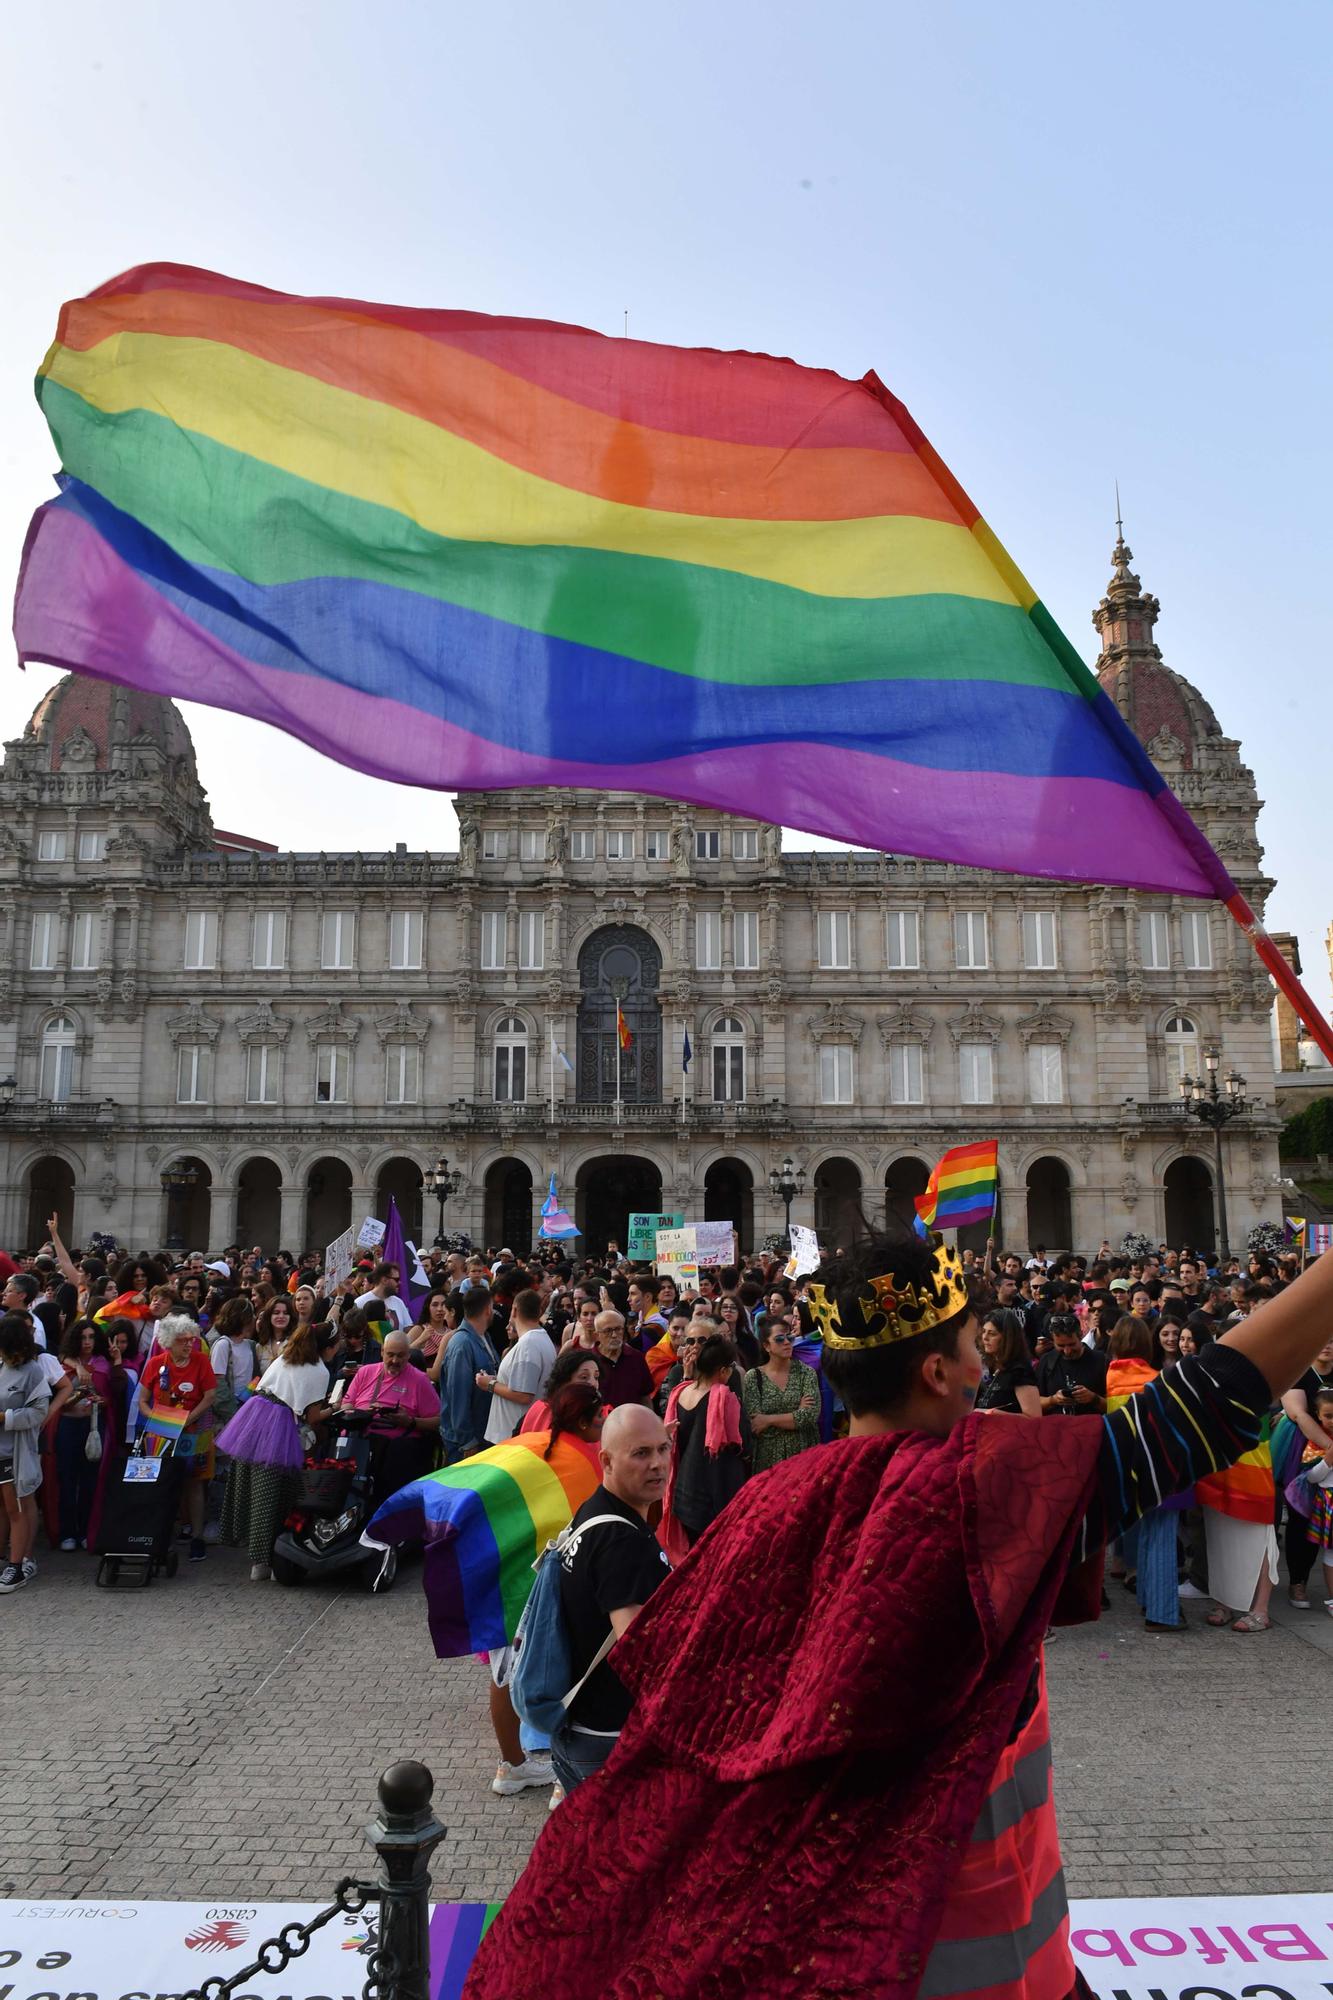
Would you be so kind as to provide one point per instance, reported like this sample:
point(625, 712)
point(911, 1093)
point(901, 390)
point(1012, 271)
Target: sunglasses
point(775, 1334)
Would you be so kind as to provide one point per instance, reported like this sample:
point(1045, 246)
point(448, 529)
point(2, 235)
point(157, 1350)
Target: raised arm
point(68, 1268)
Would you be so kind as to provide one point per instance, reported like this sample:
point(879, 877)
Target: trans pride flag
point(472, 552)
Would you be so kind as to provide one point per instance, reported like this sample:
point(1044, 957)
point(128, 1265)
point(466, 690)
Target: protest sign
point(338, 1260)
point(676, 1258)
point(371, 1234)
point(641, 1238)
point(715, 1243)
point(805, 1255)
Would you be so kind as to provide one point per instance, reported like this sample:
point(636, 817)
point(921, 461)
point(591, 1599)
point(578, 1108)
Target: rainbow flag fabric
point(447, 549)
point(1246, 1490)
point(484, 1522)
point(961, 1188)
point(456, 1932)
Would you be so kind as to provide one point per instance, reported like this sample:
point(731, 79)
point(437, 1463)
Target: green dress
point(800, 1399)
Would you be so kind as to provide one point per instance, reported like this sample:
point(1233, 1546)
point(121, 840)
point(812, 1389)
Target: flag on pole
point(560, 1056)
point(556, 1225)
point(623, 1035)
point(686, 1053)
point(372, 525)
point(961, 1188)
point(394, 1250)
point(1293, 1229)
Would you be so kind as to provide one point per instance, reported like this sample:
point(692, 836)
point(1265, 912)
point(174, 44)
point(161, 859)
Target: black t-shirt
point(997, 1391)
point(1311, 1383)
point(606, 1570)
point(1056, 1371)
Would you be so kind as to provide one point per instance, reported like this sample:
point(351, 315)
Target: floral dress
point(762, 1397)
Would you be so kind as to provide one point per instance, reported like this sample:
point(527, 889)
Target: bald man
point(607, 1576)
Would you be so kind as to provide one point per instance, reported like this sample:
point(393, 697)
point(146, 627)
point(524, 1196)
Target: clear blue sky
point(1081, 243)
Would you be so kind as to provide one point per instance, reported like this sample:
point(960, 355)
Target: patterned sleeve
point(1195, 1418)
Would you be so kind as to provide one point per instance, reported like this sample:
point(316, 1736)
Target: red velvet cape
point(822, 1691)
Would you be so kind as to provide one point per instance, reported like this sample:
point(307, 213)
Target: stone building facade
point(207, 1040)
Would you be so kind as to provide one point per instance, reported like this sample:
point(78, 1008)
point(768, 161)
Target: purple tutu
point(263, 1432)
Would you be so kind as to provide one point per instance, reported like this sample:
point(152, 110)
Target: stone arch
point(187, 1202)
point(838, 1187)
point(904, 1178)
point(608, 1189)
point(507, 1205)
point(1187, 1187)
point(1050, 1209)
point(50, 1186)
point(328, 1198)
point(619, 961)
point(400, 1177)
point(729, 1196)
point(259, 1202)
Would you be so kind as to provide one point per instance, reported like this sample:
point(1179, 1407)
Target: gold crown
point(889, 1311)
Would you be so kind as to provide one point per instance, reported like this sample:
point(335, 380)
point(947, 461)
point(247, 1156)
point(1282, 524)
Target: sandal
point(1252, 1621)
point(1217, 1616)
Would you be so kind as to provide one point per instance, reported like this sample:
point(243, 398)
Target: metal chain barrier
point(293, 1941)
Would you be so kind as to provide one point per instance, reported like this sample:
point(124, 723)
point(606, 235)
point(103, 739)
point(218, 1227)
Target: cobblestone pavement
point(210, 1738)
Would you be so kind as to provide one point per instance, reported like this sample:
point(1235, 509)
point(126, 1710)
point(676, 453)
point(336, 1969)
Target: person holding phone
point(1071, 1378)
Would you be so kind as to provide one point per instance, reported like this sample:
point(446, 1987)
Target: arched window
point(57, 1059)
point(728, 1061)
point(1182, 1050)
point(511, 1061)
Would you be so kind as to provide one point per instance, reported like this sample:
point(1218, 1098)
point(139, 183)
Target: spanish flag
point(623, 1034)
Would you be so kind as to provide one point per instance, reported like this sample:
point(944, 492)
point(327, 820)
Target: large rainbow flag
point(484, 1522)
point(961, 1188)
point(447, 548)
point(1246, 1490)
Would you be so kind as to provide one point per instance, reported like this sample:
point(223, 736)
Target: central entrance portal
point(619, 963)
point(608, 1191)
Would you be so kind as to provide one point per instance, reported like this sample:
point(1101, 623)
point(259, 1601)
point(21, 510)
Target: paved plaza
point(210, 1738)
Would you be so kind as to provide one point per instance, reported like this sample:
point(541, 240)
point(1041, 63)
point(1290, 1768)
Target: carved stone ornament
point(1045, 1025)
point(1130, 1191)
point(400, 1025)
point(974, 1024)
point(333, 1024)
point(192, 1024)
point(107, 1189)
point(262, 1025)
point(903, 1023)
point(835, 1024)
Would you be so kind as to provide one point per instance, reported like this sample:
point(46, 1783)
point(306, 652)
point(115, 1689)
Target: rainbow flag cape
point(961, 1188)
point(1245, 1490)
point(456, 1932)
point(484, 1522)
point(446, 548)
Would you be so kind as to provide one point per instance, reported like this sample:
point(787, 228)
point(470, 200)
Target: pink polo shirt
point(408, 1391)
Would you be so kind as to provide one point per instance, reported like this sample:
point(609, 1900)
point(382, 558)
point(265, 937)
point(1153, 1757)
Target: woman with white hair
point(175, 1395)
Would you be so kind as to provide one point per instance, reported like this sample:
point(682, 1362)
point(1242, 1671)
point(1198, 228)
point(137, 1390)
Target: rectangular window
point(42, 957)
point(1154, 941)
point(263, 1071)
point(511, 1072)
point(270, 940)
point(729, 1072)
point(903, 940)
point(194, 1073)
point(402, 1069)
point(92, 846)
point(83, 942)
point(835, 944)
point(531, 940)
point(1196, 941)
point(1039, 940)
point(976, 1075)
point(835, 1074)
point(708, 941)
point(1046, 1073)
point(746, 939)
point(582, 844)
point(745, 843)
point(332, 1070)
point(492, 940)
point(338, 940)
point(51, 845)
point(971, 943)
point(619, 844)
point(655, 844)
point(707, 844)
point(905, 1073)
point(494, 846)
point(201, 940)
point(57, 1076)
point(405, 930)
point(531, 844)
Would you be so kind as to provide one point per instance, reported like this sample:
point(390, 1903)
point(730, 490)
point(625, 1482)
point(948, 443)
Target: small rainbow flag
point(484, 1522)
point(961, 1189)
point(623, 1034)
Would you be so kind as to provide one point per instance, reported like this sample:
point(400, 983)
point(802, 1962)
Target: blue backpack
point(540, 1677)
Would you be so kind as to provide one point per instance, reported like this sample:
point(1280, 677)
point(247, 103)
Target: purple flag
point(394, 1250)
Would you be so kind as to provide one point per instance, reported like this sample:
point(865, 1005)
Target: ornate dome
point(1172, 720)
point(83, 722)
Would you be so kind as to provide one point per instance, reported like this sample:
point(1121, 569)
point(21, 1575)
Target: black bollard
point(405, 1834)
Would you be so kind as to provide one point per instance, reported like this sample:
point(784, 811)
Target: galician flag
point(556, 1225)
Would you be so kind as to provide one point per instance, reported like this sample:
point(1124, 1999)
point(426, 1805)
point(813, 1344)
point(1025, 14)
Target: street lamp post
point(785, 1183)
point(1204, 1101)
point(441, 1180)
point(8, 1085)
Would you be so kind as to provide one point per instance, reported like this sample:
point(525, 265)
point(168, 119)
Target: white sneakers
point(259, 1572)
point(511, 1778)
